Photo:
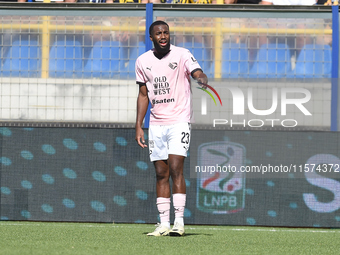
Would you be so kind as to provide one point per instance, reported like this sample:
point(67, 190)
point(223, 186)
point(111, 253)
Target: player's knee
point(176, 173)
point(162, 176)
point(176, 169)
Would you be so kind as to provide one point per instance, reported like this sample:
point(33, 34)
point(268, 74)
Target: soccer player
point(163, 75)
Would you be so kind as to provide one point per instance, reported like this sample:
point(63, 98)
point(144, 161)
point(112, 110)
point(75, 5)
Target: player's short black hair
point(157, 23)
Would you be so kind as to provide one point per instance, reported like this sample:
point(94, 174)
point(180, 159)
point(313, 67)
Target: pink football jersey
point(168, 84)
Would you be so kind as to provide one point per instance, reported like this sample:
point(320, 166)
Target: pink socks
point(179, 206)
point(163, 206)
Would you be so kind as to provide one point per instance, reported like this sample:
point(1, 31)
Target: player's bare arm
point(142, 107)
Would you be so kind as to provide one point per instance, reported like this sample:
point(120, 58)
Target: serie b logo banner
point(220, 183)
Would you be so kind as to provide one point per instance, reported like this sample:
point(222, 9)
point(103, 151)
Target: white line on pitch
point(122, 225)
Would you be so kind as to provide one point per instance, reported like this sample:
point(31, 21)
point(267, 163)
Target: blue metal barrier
point(148, 46)
point(335, 68)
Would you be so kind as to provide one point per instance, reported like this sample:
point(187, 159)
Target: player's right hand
point(140, 137)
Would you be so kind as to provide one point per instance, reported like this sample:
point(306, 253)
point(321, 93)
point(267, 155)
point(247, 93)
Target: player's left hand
point(202, 82)
point(201, 78)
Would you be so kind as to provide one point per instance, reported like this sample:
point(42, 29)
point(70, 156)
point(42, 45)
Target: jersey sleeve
point(191, 63)
point(140, 74)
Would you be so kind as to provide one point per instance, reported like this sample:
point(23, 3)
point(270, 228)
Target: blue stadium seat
point(200, 53)
point(313, 61)
point(1, 49)
point(130, 55)
point(23, 59)
point(104, 60)
point(272, 61)
point(65, 59)
point(235, 60)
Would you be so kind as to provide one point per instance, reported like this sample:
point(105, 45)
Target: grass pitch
point(96, 238)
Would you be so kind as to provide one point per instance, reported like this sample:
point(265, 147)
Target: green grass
point(94, 238)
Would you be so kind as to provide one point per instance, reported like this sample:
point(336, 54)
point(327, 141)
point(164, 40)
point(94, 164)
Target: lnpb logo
point(220, 190)
point(204, 102)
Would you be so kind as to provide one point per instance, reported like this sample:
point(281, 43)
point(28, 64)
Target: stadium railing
point(75, 46)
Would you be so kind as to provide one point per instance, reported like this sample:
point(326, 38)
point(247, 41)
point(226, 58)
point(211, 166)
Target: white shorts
point(169, 139)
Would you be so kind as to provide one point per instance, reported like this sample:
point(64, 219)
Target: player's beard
point(162, 50)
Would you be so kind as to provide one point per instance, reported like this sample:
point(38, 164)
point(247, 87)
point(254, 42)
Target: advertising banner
point(261, 178)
